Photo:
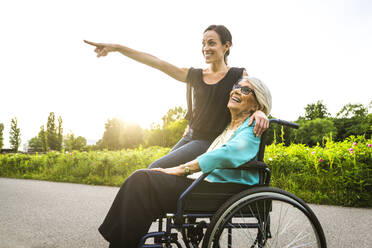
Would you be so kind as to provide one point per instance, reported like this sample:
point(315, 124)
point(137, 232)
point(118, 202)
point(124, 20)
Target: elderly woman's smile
point(236, 99)
point(242, 98)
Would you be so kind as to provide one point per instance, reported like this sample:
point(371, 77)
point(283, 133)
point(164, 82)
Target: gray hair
point(262, 92)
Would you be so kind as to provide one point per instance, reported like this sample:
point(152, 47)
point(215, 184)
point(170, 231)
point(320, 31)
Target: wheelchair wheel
point(264, 217)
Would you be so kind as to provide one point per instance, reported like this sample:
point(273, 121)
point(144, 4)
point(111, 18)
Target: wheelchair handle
point(285, 123)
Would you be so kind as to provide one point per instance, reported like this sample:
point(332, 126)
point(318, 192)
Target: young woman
point(208, 93)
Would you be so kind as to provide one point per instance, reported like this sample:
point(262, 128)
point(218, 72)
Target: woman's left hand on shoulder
point(262, 122)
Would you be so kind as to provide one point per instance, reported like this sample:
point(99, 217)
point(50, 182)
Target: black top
point(207, 113)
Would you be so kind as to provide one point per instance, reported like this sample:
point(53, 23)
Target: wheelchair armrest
point(253, 164)
point(184, 194)
point(265, 173)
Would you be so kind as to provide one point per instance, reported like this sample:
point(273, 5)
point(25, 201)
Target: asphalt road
point(40, 214)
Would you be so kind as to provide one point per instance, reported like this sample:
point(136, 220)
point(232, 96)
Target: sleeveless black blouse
point(207, 113)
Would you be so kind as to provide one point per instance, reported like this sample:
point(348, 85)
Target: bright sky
point(303, 50)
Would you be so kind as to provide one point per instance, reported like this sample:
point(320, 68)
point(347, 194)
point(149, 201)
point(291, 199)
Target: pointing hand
point(102, 49)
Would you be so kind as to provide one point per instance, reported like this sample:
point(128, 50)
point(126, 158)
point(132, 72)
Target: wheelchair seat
point(209, 199)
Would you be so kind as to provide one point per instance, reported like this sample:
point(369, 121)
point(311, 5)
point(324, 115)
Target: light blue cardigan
point(242, 147)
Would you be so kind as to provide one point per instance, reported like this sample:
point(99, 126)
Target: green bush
point(340, 173)
point(101, 168)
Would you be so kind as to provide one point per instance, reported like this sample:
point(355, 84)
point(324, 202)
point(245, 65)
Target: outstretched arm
point(102, 49)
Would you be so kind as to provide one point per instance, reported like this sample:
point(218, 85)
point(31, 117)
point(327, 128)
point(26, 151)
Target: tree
point(353, 119)
point(35, 144)
point(72, 143)
point(15, 135)
point(174, 114)
point(316, 110)
point(131, 135)
point(51, 132)
point(69, 141)
point(43, 139)
point(119, 135)
point(173, 127)
point(313, 131)
point(1, 135)
point(111, 136)
point(59, 134)
point(353, 110)
point(80, 143)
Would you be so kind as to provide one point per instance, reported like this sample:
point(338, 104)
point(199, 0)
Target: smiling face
point(213, 49)
point(242, 103)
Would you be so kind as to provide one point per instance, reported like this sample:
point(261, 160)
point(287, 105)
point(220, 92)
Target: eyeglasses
point(243, 89)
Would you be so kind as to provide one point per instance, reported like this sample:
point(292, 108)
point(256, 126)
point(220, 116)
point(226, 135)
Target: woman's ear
point(227, 46)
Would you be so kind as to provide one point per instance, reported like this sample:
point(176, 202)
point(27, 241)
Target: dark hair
point(224, 34)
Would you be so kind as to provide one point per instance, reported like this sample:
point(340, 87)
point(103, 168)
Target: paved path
point(40, 214)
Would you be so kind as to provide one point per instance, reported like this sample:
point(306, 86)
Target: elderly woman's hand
point(177, 171)
point(262, 122)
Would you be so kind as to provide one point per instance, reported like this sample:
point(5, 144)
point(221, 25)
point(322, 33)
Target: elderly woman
point(147, 194)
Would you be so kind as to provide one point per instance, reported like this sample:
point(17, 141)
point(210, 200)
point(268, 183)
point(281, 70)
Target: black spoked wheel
point(264, 217)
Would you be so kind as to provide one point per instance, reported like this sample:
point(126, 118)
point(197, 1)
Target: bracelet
point(187, 170)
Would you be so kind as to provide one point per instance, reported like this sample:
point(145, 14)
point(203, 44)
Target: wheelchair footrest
point(159, 238)
point(156, 235)
point(152, 246)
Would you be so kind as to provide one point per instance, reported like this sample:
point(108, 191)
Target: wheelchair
point(256, 216)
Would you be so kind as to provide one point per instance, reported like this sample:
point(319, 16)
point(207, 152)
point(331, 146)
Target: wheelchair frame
point(261, 197)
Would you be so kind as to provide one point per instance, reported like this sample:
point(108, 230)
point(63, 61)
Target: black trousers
point(144, 197)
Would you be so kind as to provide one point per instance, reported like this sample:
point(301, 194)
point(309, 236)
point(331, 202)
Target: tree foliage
point(316, 111)
point(171, 131)
point(174, 114)
point(15, 135)
point(167, 136)
point(35, 144)
point(51, 132)
point(119, 135)
point(39, 142)
point(71, 143)
point(313, 131)
point(54, 134)
point(43, 139)
point(59, 134)
point(1, 135)
point(353, 119)
point(353, 110)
